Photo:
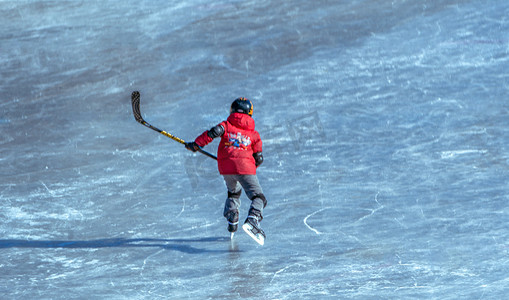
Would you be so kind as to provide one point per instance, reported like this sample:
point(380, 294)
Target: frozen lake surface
point(385, 128)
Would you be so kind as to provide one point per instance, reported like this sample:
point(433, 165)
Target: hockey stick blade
point(135, 99)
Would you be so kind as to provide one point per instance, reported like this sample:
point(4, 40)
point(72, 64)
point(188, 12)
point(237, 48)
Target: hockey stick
point(135, 99)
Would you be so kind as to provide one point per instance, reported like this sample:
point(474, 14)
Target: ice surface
point(385, 128)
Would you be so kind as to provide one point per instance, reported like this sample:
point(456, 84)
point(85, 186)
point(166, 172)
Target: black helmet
point(242, 105)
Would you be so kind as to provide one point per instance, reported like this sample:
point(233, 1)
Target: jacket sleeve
point(203, 139)
point(206, 137)
point(257, 143)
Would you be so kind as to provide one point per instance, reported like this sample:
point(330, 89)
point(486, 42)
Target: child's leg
point(232, 203)
point(255, 193)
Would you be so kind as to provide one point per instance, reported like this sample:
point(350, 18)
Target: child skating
point(238, 155)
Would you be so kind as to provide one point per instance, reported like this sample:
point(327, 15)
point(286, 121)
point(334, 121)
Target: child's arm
point(206, 137)
point(257, 150)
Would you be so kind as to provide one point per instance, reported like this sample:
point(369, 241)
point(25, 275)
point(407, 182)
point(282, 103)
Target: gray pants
point(251, 186)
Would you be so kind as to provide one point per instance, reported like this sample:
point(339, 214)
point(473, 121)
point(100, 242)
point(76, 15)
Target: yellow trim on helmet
point(251, 110)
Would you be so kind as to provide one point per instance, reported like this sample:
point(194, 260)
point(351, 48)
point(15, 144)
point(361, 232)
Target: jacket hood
point(241, 121)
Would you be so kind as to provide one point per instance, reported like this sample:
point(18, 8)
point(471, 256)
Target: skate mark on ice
point(312, 214)
point(52, 193)
point(183, 208)
point(145, 262)
point(195, 227)
point(284, 269)
point(373, 211)
point(455, 153)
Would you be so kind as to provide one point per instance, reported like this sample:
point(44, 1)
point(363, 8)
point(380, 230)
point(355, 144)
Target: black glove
point(192, 146)
point(258, 157)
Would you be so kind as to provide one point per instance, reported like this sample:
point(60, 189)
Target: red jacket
point(238, 143)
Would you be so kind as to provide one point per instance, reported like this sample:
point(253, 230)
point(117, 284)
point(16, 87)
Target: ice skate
point(252, 228)
point(233, 222)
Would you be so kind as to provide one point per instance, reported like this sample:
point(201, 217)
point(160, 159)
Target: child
point(238, 155)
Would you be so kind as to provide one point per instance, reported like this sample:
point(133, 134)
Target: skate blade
point(258, 238)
